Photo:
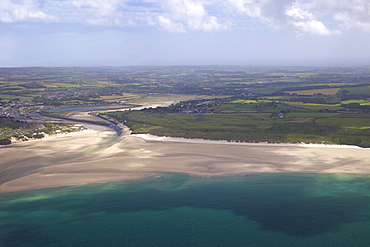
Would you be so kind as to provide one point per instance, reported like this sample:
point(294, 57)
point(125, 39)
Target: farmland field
point(353, 123)
point(357, 90)
point(354, 115)
point(361, 102)
point(326, 91)
point(311, 114)
point(314, 107)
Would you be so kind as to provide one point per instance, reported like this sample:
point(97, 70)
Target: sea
point(182, 210)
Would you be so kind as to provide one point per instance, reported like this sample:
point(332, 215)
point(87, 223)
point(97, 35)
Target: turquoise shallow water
point(180, 210)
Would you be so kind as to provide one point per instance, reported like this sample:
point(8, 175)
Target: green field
point(352, 123)
point(361, 102)
point(314, 107)
point(311, 115)
point(357, 90)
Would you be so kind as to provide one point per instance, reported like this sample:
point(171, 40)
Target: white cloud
point(352, 22)
point(269, 11)
point(306, 22)
point(171, 15)
point(170, 25)
point(24, 10)
point(350, 14)
point(282, 14)
point(317, 17)
point(190, 14)
point(102, 12)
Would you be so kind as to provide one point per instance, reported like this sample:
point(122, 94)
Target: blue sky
point(184, 32)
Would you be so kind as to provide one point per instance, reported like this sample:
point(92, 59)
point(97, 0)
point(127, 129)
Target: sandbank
point(99, 155)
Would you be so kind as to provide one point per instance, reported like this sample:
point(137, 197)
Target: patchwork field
point(216, 102)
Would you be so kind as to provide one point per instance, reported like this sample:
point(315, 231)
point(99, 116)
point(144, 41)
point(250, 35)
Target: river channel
point(89, 109)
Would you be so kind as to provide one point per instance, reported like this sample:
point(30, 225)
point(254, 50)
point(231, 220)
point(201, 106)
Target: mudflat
point(98, 155)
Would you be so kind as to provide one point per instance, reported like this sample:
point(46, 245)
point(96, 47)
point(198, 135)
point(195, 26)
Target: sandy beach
point(98, 155)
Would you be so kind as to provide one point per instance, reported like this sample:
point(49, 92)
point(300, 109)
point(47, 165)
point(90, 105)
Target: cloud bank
point(317, 17)
point(16, 11)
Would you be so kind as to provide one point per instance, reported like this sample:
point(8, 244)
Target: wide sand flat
point(100, 156)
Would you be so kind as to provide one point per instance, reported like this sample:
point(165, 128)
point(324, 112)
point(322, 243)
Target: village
point(17, 125)
point(15, 109)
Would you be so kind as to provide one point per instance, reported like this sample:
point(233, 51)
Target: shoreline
point(163, 174)
point(149, 137)
point(97, 155)
point(159, 175)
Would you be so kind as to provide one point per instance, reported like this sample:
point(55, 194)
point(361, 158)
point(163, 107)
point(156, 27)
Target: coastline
point(97, 155)
point(149, 137)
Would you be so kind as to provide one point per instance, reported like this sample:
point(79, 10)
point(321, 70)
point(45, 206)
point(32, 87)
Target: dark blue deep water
point(180, 210)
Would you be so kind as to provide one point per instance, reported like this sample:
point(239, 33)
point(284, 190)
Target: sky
point(184, 32)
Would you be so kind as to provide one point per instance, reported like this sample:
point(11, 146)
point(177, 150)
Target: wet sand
point(98, 155)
